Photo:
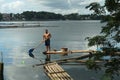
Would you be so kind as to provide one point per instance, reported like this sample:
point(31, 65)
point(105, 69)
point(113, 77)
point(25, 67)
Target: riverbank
point(18, 25)
point(25, 24)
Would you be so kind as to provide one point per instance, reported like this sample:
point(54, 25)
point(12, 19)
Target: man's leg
point(47, 48)
point(48, 55)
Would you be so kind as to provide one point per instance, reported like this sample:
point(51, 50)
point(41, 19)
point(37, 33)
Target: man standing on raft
point(46, 38)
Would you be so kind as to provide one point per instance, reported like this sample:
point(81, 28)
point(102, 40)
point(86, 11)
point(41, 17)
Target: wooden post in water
point(1, 68)
point(47, 59)
point(1, 71)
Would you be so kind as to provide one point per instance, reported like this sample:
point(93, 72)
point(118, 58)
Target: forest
point(42, 15)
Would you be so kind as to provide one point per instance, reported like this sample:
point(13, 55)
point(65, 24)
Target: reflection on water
point(15, 43)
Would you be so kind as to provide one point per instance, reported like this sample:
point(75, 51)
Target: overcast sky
point(56, 6)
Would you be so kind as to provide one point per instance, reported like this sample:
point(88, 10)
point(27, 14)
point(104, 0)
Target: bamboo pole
point(75, 58)
point(68, 52)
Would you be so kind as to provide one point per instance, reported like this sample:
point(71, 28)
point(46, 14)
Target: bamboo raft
point(55, 72)
point(66, 51)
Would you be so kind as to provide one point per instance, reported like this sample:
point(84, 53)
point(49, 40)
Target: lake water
point(15, 43)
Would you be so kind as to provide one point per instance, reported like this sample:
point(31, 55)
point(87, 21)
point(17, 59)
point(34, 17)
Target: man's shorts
point(47, 42)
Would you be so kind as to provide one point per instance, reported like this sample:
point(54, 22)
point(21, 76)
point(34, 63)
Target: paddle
point(30, 52)
point(32, 49)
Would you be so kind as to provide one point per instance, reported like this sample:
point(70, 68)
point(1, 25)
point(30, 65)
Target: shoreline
point(32, 24)
point(15, 26)
point(7, 27)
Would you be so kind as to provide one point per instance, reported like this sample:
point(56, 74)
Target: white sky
point(56, 6)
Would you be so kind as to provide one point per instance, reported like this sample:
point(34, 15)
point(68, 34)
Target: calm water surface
point(15, 43)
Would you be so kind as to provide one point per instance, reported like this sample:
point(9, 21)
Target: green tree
point(73, 16)
point(111, 33)
point(96, 40)
point(18, 16)
point(29, 15)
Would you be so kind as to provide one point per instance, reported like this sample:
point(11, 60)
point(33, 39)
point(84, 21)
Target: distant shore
point(30, 24)
point(15, 26)
point(18, 25)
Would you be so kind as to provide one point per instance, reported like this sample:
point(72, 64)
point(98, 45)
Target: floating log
point(74, 59)
point(55, 72)
point(77, 61)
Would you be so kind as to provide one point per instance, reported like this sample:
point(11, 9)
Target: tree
point(111, 33)
point(73, 16)
point(32, 15)
point(96, 40)
point(29, 15)
point(18, 16)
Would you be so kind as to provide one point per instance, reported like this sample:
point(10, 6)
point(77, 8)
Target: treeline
point(32, 16)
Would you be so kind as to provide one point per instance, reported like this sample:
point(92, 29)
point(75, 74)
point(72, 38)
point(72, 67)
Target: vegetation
point(30, 15)
point(109, 37)
point(33, 15)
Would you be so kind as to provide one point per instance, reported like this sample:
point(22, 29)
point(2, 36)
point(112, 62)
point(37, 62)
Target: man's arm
point(43, 37)
point(50, 35)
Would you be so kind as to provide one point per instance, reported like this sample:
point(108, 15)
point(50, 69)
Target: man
point(46, 38)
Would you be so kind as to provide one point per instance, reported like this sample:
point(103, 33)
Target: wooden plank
point(65, 73)
point(51, 76)
point(82, 51)
point(55, 72)
point(59, 72)
point(48, 71)
point(66, 76)
point(57, 52)
point(54, 76)
point(62, 73)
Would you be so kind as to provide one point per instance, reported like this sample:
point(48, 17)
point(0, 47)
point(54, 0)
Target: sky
point(56, 6)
